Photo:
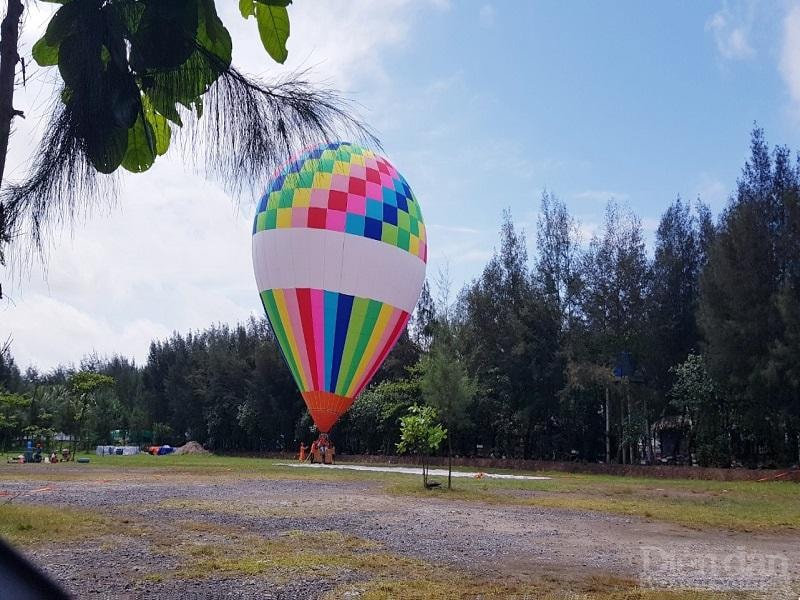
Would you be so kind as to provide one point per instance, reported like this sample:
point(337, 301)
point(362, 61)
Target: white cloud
point(342, 42)
point(487, 15)
point(711, 191)
point(600, 196)
point(790, 56)
point(587, 230)
point(453, 229)
point(175, 254)
point(730, 27)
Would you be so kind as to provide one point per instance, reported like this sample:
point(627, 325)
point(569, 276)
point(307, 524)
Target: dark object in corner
point(20, 580)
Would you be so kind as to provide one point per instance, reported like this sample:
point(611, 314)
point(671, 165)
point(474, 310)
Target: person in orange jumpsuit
point(313, 450)
point(302, 452)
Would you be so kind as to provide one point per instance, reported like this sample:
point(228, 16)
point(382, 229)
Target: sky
point(481, 105)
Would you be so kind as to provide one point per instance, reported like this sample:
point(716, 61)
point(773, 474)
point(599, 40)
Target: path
point(416, 471)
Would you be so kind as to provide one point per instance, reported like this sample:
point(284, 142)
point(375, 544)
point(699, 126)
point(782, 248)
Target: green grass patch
point(313, 554)
point(289, 509)
point(739, 506)
point(25, 524)
point(447, 585)
point(384, 575)
point(734, 505)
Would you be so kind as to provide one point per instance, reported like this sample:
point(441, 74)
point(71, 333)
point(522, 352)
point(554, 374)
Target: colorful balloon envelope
point(339, 253)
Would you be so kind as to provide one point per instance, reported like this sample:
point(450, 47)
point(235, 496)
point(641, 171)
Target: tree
point(747, 291)
point(695, 394)
point(9, 40)
point(371, 424)
point(614, 299)
point(12, 414)
point(447, 387)
point(137, 73)
point(421, 435)
point(424, 319)
point(507, 332)
point(82, 389)
point(558, 256)
point(672, 322)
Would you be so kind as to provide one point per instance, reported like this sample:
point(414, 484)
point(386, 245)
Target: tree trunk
point(608, 428)
point(449, 460)
point(9, 40)
point(622, 427)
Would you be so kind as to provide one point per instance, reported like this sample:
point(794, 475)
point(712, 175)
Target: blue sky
point(636, 100)
point(481, 105)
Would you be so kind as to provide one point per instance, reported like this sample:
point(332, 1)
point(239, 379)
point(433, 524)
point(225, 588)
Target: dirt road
point(480, 539)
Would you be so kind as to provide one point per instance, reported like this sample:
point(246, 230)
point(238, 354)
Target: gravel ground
point(486, 540)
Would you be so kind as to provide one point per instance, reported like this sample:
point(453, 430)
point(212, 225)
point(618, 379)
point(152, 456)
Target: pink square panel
point(356, 204)
point(386, 181)
point(299, 217)
point(319, 198)
point(374, 191)
point(335, 220)
point(339, 182)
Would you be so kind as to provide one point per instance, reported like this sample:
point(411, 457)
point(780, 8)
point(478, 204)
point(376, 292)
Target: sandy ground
point(487, 540)
point(416, 471)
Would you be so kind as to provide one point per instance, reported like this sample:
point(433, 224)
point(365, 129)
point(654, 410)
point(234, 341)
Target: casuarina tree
point(137, 74)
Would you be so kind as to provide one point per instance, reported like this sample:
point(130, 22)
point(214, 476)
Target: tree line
point(590, 350)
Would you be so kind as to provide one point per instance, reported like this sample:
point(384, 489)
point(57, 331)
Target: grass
point(290, 509)
point(201, 549)
point(733, 505)
point(738, 506)
point(446, 588)
point(320, 555)
point(383, 575)
point(25, 524)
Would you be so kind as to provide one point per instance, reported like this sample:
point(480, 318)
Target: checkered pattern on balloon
point(339, 253)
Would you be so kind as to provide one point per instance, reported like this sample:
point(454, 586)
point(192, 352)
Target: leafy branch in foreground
point(138, 73)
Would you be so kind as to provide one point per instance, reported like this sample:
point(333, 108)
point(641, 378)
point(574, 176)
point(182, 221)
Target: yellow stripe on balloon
point(377, 332)
point(280, 302)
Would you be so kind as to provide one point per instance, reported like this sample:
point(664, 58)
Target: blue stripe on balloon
point(331, 301)
point(342, 321)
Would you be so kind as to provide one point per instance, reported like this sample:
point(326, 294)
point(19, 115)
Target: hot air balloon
point(339, 254)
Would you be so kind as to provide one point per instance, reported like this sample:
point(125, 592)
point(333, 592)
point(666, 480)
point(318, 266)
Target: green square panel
point(290, 181)
point(287, 195)
point(403, 239)
point(305, 179)
point(270, 218)
point(326, 165)
point(389, 234)
point(415, 226)
point(403, 220)
point(261, 221)
point(274, 200)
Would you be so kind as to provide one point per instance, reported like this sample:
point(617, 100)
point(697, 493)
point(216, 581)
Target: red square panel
point(357, 186)
point(316, 217)
point(373, 175)
point(337, 200)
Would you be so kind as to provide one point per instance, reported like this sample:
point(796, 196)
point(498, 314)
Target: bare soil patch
point(228, 526)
